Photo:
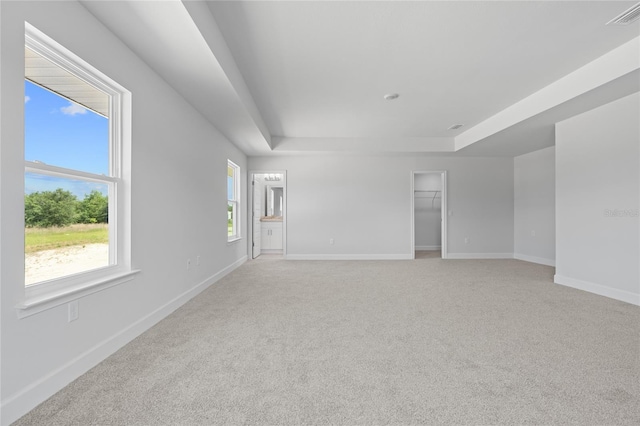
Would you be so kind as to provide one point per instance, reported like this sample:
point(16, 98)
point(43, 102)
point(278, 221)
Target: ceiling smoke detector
point(391, 96)
point(628, 16)
point(455, 127)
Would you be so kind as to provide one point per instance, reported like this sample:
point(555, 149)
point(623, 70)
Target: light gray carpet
point(369, 343)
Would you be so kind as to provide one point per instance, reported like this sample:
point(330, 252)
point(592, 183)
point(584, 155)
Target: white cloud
point(73, 109)
point(26, 99)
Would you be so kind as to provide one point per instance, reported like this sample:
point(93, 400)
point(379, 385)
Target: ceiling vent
point(627, 17)
point(455, 127)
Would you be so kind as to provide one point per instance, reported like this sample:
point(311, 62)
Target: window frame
point(235, 201)
point(46, 294)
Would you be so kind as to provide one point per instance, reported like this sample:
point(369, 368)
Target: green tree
point(94, 208)
point(50, 208)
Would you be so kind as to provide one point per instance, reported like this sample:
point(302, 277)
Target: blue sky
point(61, 133)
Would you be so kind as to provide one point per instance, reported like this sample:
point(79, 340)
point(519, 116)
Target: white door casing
point(444, 212)
point(256, 207)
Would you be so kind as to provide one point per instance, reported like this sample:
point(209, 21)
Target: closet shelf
point(427, 194)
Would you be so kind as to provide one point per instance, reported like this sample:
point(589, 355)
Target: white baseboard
point(428, 247)
point(27, 399)
point(349, 256)
point(599, 289)
point(480, 256)
point(534, 259)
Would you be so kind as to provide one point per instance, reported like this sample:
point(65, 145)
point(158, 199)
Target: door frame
point(252, 173)
point(443, 212)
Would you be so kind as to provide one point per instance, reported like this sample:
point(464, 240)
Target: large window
point(233, 197)
point(76, 181)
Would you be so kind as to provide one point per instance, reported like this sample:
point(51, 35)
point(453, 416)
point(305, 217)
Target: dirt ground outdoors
point(55, 263)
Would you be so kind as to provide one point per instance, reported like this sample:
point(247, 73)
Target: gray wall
point(364, 204)
point(534, 207)
point(597, 198)
point(178, 211)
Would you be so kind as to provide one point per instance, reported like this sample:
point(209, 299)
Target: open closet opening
point(429, 215)
point(268, 214)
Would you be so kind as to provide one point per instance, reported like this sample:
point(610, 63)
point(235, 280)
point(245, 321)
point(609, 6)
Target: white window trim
point(47, 294)
point(237, 189)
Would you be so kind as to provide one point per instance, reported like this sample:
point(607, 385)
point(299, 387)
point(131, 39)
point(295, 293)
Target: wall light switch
point(73, 310)
point(331, 241)
point(533, 233)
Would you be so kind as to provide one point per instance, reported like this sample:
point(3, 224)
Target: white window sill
point(234, 240)
point(42, 302)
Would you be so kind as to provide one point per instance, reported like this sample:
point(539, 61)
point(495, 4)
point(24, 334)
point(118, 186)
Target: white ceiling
point(310, 76)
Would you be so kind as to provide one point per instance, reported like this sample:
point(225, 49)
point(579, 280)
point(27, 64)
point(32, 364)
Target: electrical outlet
point(188, 263)
point(331, 241)
point(466, 240)
point(73, 310)
point(533, 233)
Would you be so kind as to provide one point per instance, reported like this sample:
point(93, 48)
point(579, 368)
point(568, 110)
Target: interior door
point(257, 207)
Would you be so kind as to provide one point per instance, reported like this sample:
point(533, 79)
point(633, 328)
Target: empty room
point(319, 212)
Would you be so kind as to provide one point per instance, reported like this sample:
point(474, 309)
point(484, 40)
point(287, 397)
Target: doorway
point(268, 214)
point(429, 214)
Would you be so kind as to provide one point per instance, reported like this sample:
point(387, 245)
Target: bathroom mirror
point(275, 195)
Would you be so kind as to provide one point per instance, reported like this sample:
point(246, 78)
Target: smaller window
point(233, 200)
